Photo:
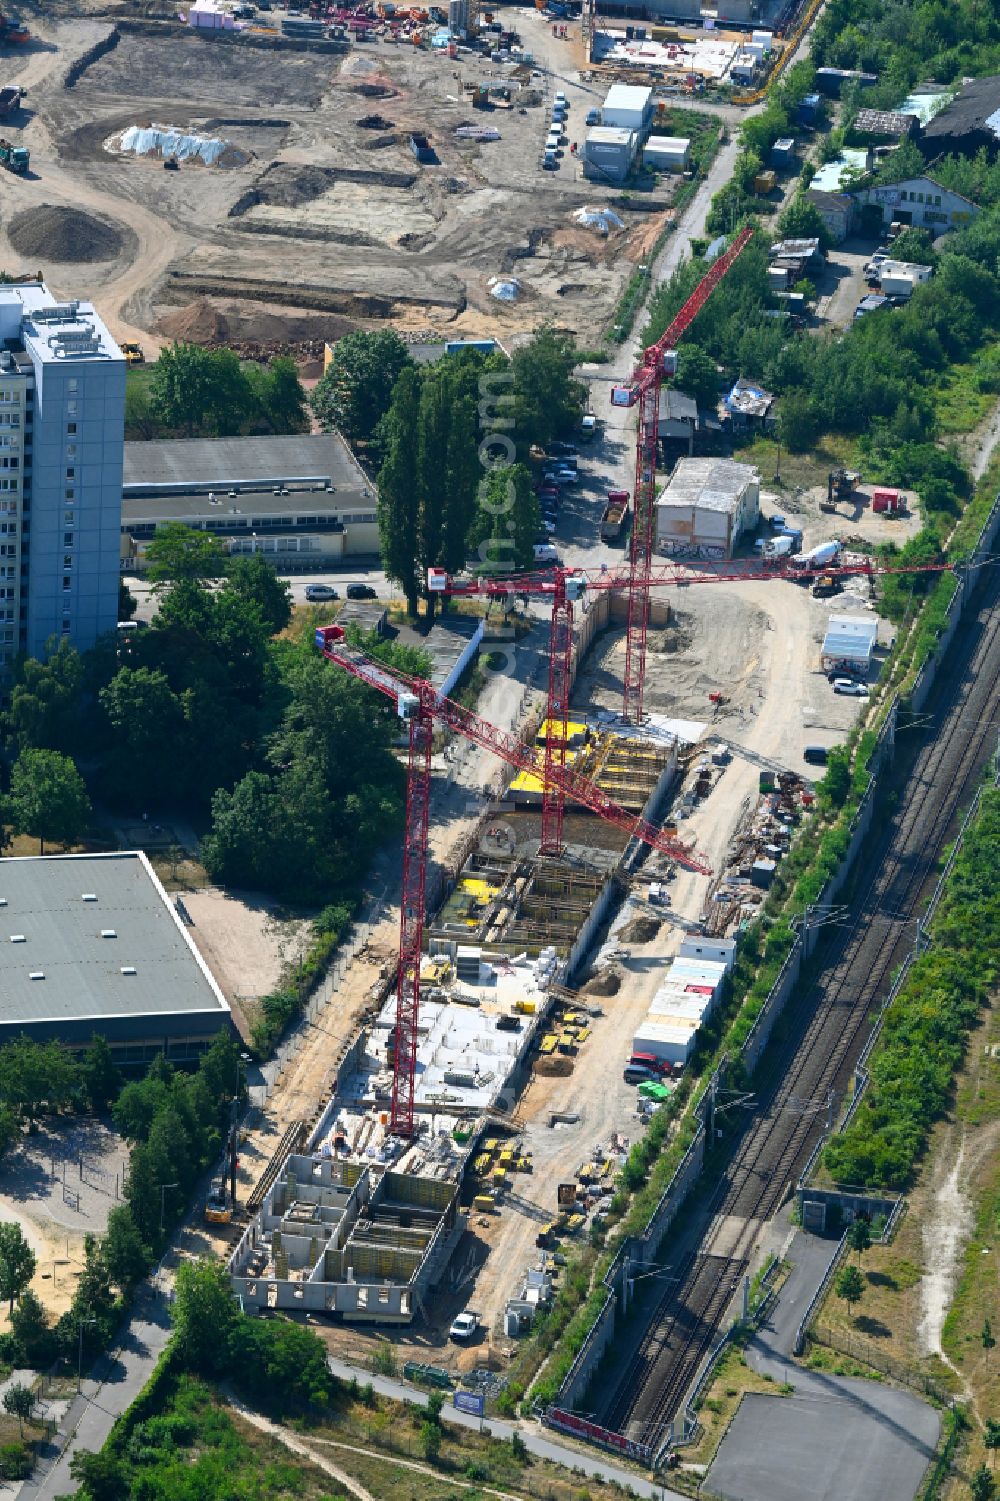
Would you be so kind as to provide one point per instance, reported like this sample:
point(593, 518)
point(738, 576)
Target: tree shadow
point(883, 1279)
point(872, 1327)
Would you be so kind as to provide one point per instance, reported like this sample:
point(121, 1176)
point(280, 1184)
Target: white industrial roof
point(610, 135)
point(627, 96)
point(63, 333)
point(674, 144)
point(103, 939)
point(711, 484)
point(850, 636)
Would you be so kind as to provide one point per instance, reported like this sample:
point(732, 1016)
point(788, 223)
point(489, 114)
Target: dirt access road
point(51, 183)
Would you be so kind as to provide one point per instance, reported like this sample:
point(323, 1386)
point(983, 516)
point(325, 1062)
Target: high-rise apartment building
point(62, 417)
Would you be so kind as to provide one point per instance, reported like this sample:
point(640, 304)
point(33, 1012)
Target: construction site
point(470, 237)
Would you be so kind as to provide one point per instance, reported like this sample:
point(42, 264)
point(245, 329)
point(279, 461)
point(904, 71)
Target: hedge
point(925, 1030)
point(282, 1006)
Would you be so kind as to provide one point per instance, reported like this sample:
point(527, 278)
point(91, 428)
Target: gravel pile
point(64, 235)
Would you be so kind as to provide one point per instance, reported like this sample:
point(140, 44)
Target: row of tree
point(451, 441)
point(194, 392)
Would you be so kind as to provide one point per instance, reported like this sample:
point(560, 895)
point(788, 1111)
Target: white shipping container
point(672, 1044)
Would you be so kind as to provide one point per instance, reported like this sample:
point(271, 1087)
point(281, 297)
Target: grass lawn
point(798, 470)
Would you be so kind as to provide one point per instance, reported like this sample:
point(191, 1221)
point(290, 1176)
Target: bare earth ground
point(416, 245)
point(56, 1209)
point(245, 941)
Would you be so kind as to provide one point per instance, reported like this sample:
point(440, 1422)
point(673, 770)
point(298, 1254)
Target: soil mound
point(198, 323)
point(640, 930)
point(65, 235)
point(605, 982)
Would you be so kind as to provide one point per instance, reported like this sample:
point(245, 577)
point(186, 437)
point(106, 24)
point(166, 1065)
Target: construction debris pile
point(761, 840)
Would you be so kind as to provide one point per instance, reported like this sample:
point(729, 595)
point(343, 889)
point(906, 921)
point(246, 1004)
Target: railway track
point(827, 1025)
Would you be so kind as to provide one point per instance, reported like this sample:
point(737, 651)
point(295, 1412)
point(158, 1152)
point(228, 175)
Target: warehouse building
point(609, 153)
point(91, 945)
point(919, 201)
point(667, 153)
point(707, 506)
point(303, 500)
point(969, 124)
point(628, 107)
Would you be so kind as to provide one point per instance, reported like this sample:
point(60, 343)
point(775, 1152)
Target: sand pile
point(64, 235)
point(198, 323)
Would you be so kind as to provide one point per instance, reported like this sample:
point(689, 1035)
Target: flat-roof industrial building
point(301, 500)
point(707, 505)
point(91, 944)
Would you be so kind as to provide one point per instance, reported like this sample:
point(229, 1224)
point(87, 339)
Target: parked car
point(850, 687)
point(361, 591)
point(637, 1073)
point(650, 1061)
point(562, 450)
point(319, 593)
point(816, 755)
point(464, 1327)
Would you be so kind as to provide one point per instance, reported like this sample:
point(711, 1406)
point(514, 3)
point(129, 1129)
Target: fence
point(855, 1347)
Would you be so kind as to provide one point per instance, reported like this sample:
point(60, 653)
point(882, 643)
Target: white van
point(544, 552)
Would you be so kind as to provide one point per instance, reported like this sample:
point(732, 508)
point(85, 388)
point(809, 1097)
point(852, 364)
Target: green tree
point(205, 1316)
point(914, 245)
point(48, 799)
point(17, 1262)
point(849, 1285)
point(244, 821)
point(398, 495)
point(33, 1074)
point(127, 602)
point(45, 701)
point(147, 721)
point(356, 388)
point(507, 521)
point(181, 388)
point(697, 375)
point(991, 1438)
point(179, 554)
point(19, 1401)
point(283, 398)
point(100, 1078)
point(798, 422)
point(547, 399)
point(254, 578)
point(141, 421)
point(434, 1407)
point(801, 220)
point(987, 1337)
point(982, 1486)
point(30, 1329)
point(859, 1236)
point(430, 1442)
point(126, 1254)
point(102, 1476)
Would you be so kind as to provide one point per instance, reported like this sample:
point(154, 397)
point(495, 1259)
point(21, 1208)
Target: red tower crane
point(421, 706)
point(566, 586)
point(644, 389)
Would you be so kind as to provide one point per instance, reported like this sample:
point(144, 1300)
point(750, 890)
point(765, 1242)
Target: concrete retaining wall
point(760, 1032)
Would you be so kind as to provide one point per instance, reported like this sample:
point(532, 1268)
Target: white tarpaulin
point(604, 220)
point(167, 140)
point(505, 288)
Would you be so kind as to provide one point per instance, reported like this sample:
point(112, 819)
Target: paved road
point(834, 1438)
point(115, 1382)
point(535, 1437)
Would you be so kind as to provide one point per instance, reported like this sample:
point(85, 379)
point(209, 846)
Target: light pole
point(79, 1358)
point(163, 1190)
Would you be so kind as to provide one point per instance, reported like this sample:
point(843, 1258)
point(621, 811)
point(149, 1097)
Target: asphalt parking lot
point(834, 1438)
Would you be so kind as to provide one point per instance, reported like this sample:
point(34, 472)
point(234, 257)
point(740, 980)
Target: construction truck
point(218, 1210)
point(615, 514)
point(840, 485)
point(133, 353)
point(14, 158)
